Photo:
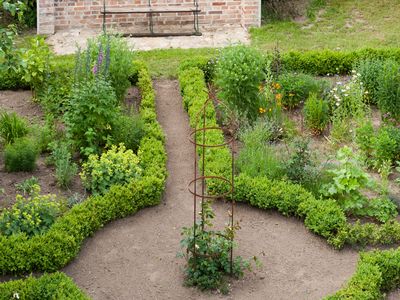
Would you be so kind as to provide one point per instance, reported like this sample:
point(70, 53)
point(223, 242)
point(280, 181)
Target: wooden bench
point(150, 10)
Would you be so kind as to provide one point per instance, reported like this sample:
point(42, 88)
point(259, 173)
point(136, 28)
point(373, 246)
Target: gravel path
point(135, 258)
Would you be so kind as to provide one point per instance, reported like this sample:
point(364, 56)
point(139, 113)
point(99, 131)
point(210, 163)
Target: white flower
point(16, 296)
point(346, 95)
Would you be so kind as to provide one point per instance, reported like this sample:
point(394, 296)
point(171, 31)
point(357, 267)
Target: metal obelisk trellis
point(200, 165)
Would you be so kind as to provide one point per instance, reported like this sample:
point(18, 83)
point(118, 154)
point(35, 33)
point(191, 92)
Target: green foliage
point(295, 88)
point(12, 127)
point(208, 253)
point(46, 287)
point(347, 182)
point(21, 155)
point(108, 56)
point(239, 74)
point(370, 71)
point(388, 94)
point(54, 94)
point(66, 169)
point(62, 242)
point(32, 216)
point(330, 62)
point(92, 111)
point(10, 56)
point(116, 166)
point(36, 63)
point(45, 134)
point(316, 114)
point(325, 218)
point(386, 146)
point(301, 168)
point(376, 273)
point(313, 8)
point(129, 130)
point(258, 157)
point(382, 209)
point(28, 186)
point(378, 146)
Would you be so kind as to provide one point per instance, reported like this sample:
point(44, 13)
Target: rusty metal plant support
point(200, 162)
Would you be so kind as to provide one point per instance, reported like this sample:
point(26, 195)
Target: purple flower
point(95, 70)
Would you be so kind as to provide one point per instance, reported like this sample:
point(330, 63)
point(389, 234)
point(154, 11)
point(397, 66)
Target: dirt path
point(135, 258)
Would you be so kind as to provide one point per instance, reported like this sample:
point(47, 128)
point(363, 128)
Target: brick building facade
point(56, 15)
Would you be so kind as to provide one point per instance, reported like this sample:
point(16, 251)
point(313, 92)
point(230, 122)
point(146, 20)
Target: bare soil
point(21, 103)
point(135, 258)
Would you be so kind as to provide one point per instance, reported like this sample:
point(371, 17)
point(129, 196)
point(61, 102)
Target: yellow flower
point(278, 97)
point(262, 110)
point(261, 88)
point(270, 109)
point(291, 95)
point(277, 86)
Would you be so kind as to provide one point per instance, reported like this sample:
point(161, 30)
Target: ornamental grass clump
point(116, 166)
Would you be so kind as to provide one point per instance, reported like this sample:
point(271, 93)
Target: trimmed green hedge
point(58, 246)
point(47, 287)
point(315, 62)
point(377, 272)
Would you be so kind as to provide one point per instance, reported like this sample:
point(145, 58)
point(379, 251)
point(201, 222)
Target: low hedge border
point(377, 271)
point(58, 246)
point(49, 286)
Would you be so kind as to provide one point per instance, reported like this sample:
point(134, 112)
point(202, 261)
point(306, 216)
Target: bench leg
point(151, 25)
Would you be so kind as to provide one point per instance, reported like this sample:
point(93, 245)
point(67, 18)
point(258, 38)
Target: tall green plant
point(111, 57)
point(239, 74)
point(91, 113)
point(316, 114)
point(388, 93)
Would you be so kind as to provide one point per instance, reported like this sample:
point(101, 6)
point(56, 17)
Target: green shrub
point(386, 146)
point(46, 287)
point(129, 130)
point(116, 166)
point(382, 209)
point(325, 218)
point(316, 114)
point(54, 94)
point(36, 63)
point(208, 255)
point(21, 155)
point(32, 216)
point(45, 134)
point(295, 88)
point(92, 111)
point(239, 74)
point(348, 181)
point(66, 169)
point(370, 71)
point(377, 272)
point(301, 168)
point(12, 127)
point(388, 94)
point(110, 56)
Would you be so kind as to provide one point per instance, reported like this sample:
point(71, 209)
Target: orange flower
point(277, 86)
point(278, 97)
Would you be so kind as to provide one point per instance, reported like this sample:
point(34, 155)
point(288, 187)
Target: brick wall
point(55, 15)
